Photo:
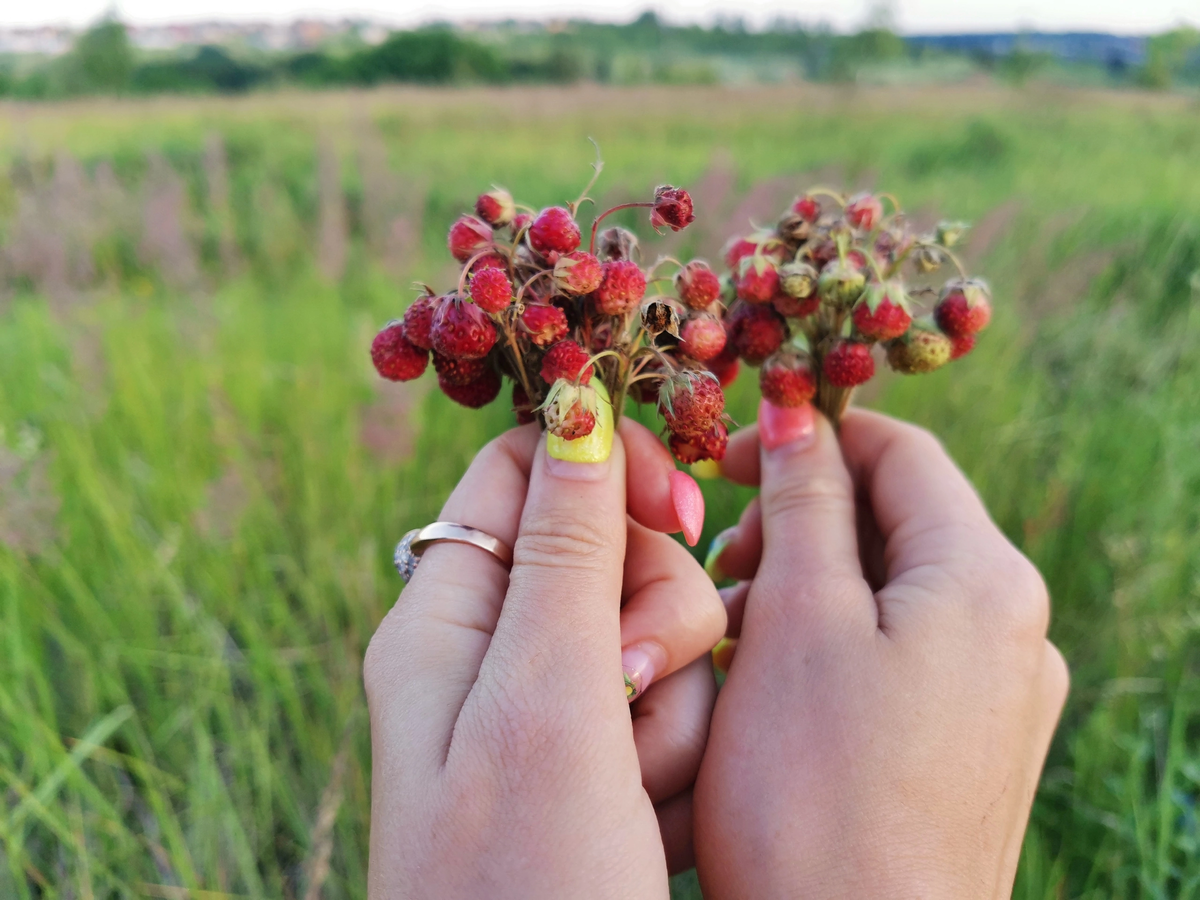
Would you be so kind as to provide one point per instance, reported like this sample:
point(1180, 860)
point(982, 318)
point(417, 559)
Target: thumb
point(559, 629)
point(810, 558)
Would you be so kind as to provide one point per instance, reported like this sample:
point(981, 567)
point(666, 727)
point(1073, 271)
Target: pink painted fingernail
point(779, 425)
point(639, 665)
point(688, 501)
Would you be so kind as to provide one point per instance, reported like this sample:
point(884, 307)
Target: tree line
point(103, 60)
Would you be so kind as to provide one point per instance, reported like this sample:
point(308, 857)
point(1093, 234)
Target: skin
point(880, 734)
point(892, 696)
point(506, 762)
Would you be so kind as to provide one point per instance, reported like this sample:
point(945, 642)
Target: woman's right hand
point(893, 694)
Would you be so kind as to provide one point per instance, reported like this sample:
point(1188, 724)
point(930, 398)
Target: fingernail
point(779, 425)
point(574, 471)
point(706, 469)
point(712, 562)
point(596, 447)
point(722, 654)
point(689, 505)
point(639, 663)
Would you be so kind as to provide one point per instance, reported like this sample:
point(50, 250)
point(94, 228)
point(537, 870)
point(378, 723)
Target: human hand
point(505, 762)
point(893, 695)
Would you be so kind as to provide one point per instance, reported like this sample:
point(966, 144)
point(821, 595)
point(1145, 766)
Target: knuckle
point(1023, 603)
point(557, 539)
point(811, 495)
point(1058, 676)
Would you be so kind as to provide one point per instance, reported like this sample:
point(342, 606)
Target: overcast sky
point(1125, 16)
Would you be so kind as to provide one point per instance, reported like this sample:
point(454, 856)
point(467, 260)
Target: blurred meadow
point(201, 477)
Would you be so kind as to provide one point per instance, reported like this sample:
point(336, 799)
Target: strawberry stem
point(600, 218)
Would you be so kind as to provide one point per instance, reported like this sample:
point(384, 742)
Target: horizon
point(927, 17)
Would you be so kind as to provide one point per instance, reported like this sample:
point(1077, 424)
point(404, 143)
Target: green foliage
point(1170, 55)
point(180, 663)
point(101, 60)
point(209, 70)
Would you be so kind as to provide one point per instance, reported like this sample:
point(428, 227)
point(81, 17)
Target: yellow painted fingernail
point(595, 447)
point(712, 562)
point(706, 469)
point(722, 654)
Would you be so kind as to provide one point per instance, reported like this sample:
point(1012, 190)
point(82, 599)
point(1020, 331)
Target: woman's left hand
point(505, 760)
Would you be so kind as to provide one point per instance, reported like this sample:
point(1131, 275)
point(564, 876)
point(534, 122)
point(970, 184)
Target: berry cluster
point(572, 328)
point(809, 298)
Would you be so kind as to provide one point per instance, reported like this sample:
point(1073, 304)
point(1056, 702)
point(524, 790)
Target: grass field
point(201, 478)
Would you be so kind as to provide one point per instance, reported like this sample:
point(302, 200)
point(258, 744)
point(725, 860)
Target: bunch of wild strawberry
point(810, 298)
point(572, 328)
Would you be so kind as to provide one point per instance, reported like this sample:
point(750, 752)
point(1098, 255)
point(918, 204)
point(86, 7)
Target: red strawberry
point(923, 349)
point(457, 371)
point(864, 211)
point(882, 313)
point(522, 405)
point(467, 237)
point(554, 231)
point(964, 307)
point(848, 364)
point(791, 308)
point(577, 273)
point(545, 324)
point(395, 356)
point(787, 379)
point(622, 286)
point(756, 331)
point(697, 285)
point(418, 321)
point(822, 253)
point(496, 207)
point(491, 290)
point(566, 360)
point(691, 402)
point(738, 249)
point(521, 221)
point(808, 208)
point(462, 329)
point(672, 207)
point(961, 346)
point(725, 365)
point(489, 261)
point(474, 394)
point(570, 410)
point(758, 280)
point(693, 448)
point(703, 337)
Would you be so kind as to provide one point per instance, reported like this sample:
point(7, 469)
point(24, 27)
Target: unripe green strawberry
point(841, 284)
point(798, 279)
point(922, 349)
point(950, 234)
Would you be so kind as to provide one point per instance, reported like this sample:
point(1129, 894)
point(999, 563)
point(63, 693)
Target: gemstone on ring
point(404, 559)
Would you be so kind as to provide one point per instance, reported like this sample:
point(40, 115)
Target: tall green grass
point(179, 674)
